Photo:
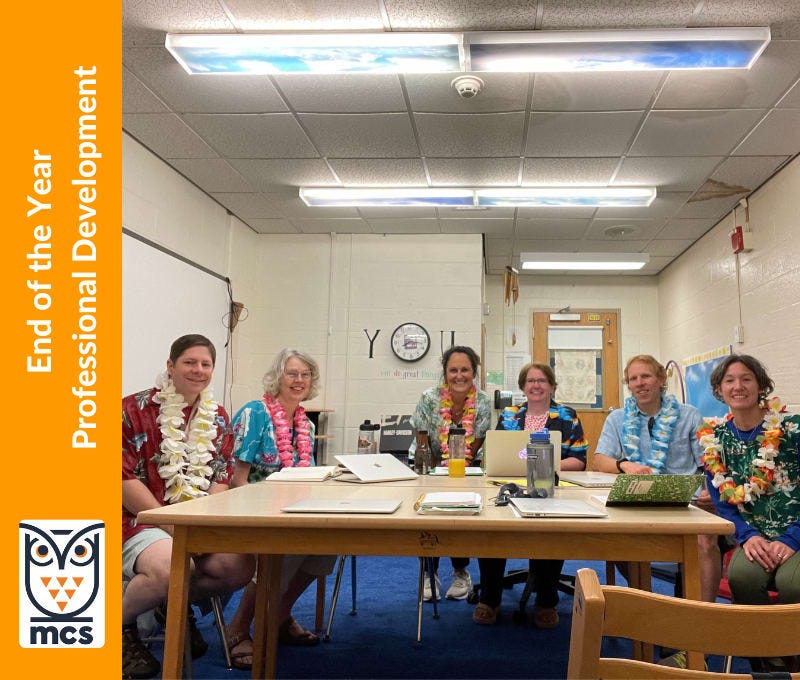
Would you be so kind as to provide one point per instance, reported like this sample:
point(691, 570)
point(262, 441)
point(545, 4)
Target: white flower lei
point(662, 432)
point(184, 452)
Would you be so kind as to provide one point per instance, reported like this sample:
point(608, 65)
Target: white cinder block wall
point(700, 295)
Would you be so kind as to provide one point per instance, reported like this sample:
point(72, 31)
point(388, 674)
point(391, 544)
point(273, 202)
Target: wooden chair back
point(703, 627)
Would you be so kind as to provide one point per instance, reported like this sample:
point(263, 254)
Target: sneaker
point(137, 660)
point(427, 595)
point(196, 641)
point(461, 585)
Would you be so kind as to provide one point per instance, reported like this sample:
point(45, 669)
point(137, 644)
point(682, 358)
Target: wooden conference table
point(249, 520)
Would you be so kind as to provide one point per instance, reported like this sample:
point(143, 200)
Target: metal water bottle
point(541, 465)
point(366, 437)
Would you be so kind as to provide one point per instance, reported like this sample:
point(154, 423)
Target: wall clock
point(410, 342)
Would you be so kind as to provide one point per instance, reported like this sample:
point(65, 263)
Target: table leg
point(268, 595)
point(178, 600)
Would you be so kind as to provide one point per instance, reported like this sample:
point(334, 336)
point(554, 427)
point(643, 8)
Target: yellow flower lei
point(763, 465)
point(184, 453)
point(467, 419)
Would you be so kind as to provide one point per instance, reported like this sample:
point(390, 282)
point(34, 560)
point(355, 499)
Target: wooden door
point(595, 332)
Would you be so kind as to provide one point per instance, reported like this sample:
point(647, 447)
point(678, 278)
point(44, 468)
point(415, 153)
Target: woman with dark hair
point(538, 383)
point(455, 402)
point(271, 433)
point(752, 462)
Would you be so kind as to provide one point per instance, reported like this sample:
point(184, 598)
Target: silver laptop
point(504, 452)
point(373, 467)
point(595, 480)
point(555, 507)
point(383, 506)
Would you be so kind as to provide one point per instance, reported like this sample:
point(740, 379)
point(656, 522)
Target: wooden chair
point(699, 627)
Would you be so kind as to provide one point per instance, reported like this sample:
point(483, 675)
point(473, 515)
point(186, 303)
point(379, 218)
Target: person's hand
point(631, 468)
point(780, 552)
point(704, 502)
point(764, 552)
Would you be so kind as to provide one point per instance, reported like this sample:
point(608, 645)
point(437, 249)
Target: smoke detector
point(467, 86)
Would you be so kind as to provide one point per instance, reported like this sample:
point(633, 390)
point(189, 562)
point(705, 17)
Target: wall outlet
point(738, 333)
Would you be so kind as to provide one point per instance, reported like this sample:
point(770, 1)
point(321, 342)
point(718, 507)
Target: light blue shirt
point(683, 455)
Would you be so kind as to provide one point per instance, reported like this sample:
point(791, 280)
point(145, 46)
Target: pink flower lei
point(446, 414)
point(283, 434)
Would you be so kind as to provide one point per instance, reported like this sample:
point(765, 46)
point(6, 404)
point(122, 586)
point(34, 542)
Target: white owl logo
point(61, 569)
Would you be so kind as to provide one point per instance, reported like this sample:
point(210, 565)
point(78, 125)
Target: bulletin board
point(163, 297)
point(697, 371)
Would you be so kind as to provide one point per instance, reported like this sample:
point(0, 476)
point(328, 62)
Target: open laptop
point(555, 507)
point(373, 467)
point(653, 490)
point(382, 506)
point(504, 452)
point(593, 480)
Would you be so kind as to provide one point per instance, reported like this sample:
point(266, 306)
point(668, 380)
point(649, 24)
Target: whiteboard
point(164, 297)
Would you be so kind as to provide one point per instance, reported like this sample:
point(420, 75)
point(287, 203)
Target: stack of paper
point(302, 474)
point(450, 502)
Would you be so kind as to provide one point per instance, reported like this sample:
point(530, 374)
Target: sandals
point(485, 615)
point(293, 634)
point(237, 657)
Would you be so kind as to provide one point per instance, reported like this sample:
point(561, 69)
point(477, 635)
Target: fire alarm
point(740, 240)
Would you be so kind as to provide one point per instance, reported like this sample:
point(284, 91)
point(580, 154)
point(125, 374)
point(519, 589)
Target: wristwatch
point(619, 464)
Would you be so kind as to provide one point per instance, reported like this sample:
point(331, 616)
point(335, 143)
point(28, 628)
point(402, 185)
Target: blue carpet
point(380, 640)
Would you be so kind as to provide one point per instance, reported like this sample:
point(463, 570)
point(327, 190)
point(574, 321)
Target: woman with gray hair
point(271, 433)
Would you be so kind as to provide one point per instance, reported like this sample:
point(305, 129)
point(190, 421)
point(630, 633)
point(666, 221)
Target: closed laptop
point(367, 468)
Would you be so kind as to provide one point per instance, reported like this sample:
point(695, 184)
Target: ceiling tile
point(212, 174)
point(757, 88)
point(668, 247)
point(458, 213)
point(434, 93)
point(693, 133)
point(270, 135)
point(581, 134)
point(655, 265)
point(777, 134)
point(749, 172)
point(780, 15)
point(247, 205)
point(667, 203)
point(166, 135)
point(792, 98)
point(568, 170)
point(452, 15)
point(147, 22)
point(269, 175)
point(641, 229)
point(405, 226)
point(338, 226)
point(565, 14)
point(271, 226)
point(532, 244)
point(289, 203)
point(137, 97)
point(498, 247)
point(317, 15)
point(495, 227)
point(614, 245)
point(708, 205)
point(322, 93)
point(374, 172)
point(666, 174)
point(364, 135)
point(551, 229)
point(596, 91)
point(397, 212)
point(482, 134)
point(473, 171)
point(557, 213)
point(685, 229)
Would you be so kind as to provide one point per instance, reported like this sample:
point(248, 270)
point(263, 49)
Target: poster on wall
point(697, 371)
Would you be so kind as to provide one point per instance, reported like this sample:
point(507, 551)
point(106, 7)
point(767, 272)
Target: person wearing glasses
point(655, 434)
point(271, 433)
point(538, 383)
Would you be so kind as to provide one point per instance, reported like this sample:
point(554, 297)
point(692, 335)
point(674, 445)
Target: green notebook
point(654, 490)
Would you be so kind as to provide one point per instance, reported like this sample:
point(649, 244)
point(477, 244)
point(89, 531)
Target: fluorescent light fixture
point(524, 197)
point(504, 51)
point(387, 196)
point(481, 198)
point(583, 261)
point(263, 53)
point(624, 50)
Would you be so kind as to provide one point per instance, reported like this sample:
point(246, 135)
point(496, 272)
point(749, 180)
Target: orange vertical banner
point(61, 284)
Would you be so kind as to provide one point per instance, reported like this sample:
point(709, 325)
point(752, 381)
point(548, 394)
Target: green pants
point(750, 583)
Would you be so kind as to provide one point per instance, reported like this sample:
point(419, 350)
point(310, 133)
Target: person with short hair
point(176, 446)
point(655, 434)
point(272, 433)
point(540, 410)
point(455, 402)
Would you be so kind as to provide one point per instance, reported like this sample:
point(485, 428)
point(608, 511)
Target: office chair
point(698, 627)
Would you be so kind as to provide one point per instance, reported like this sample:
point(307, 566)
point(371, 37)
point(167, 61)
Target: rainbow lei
point(283, 434)
point(763, 464)
point(467, 419)
point(185, 454)
point(662, 432)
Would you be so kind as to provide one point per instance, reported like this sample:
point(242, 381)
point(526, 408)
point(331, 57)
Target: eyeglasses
point(537, 381)
point(295, 375)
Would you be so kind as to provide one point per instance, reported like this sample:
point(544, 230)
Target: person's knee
point(235, 570)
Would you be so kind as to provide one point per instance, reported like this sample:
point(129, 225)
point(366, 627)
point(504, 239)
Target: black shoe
point(198, 644)
point(137, 661)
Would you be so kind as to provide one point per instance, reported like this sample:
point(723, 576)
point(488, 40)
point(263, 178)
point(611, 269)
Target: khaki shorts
point(134, 546)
